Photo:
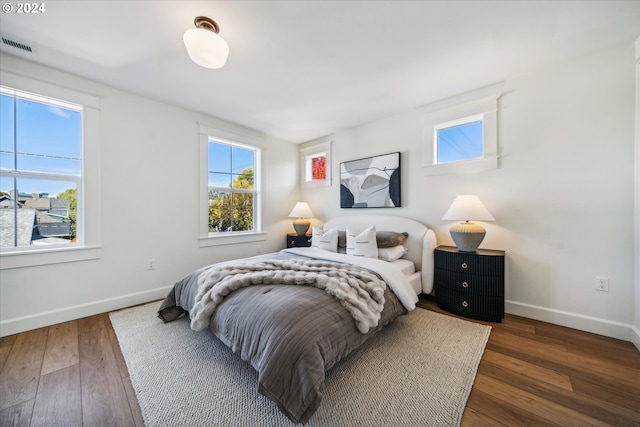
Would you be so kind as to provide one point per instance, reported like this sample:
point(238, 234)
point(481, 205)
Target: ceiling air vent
point(17, 45)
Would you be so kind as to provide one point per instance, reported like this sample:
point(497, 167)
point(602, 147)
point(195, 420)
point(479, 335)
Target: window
point(230, 187)
point(459, 140)
point(232, 190)
point(316, 167)
point(49, 173)
point(461, 133)
point(40, 170)
point(315, 164)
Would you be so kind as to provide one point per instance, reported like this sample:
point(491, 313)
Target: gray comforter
point(290, 334)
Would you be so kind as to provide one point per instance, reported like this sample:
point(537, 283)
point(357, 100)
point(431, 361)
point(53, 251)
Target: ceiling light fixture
point(205, 47)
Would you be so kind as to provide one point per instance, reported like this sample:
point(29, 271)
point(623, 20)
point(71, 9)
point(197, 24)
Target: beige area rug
point(417, 371)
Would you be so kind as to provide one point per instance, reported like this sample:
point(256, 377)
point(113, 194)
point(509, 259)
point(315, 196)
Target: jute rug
point(418, 371)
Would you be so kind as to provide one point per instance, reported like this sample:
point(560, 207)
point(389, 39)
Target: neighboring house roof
point(26, 219)
point(54, 229)
point(37, 203)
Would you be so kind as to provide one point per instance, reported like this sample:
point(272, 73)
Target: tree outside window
point(232, 187)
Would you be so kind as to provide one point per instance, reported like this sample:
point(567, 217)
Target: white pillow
point(363, 244)
point(325, 240)
point(391, 254)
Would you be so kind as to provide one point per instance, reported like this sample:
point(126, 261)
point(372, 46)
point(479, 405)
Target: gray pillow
point(384, 239)
point(390, 239)
point(342, 239)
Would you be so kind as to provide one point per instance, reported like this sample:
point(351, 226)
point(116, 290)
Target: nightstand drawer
point(470, 263)
point(475, 306)
point(295, 241)
point(469, 283)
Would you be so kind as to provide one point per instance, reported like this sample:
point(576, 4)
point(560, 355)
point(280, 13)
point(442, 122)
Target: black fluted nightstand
point(470, 284)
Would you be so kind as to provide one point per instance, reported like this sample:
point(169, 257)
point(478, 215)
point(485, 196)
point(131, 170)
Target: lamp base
point(301, 226)
point(467, 236)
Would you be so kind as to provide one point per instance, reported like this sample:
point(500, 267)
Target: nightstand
point(470, 284)
point(295, 241)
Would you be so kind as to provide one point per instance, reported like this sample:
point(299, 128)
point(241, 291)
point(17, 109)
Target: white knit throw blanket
point(360, 291)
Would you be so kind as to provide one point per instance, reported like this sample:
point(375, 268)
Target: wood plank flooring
point(531, 374)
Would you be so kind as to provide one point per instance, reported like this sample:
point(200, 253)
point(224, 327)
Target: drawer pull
point(464, 265)
point(465, 304)
point(465, 285)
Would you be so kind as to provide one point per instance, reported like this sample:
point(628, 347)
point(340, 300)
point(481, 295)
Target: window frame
point(209, 133)
point(309, 151)
point(88, 245)
point(480, 105)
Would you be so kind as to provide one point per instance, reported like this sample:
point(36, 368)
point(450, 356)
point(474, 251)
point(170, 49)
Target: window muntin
point(232, 187)
point(458, 141)
point(40, 171)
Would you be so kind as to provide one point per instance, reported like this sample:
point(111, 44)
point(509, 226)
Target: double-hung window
point(40, 170)
point(49, 158)
point(230, 183)
point(232, 189)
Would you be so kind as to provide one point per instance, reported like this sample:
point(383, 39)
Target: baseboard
point(581, 322)
point(635, 339)
point(48, 318)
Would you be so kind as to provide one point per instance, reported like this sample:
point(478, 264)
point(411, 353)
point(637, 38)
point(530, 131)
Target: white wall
point(149, 196)
point(562, 196)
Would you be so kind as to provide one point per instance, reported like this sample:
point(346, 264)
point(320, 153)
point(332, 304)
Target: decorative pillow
point(391, 254)
point(363, 244)
point(325, 240)
point(390, 239)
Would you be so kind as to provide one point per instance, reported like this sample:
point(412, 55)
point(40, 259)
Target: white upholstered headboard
point(420, 243)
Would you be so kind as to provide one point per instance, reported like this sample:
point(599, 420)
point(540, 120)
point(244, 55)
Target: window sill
point(468, 166)
point(317, 183)
point(231, 239)
point(35, 257)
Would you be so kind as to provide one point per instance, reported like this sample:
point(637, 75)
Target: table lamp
point(301, 211)
point(467, 235)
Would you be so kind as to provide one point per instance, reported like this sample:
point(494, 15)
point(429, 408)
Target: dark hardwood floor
point(531, 374)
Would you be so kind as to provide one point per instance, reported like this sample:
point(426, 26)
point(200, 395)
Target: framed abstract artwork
point(372, 182)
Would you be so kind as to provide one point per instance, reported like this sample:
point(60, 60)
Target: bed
point(292, 335)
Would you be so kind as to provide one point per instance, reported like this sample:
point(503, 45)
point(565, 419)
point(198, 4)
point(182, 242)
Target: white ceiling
point(299, 70)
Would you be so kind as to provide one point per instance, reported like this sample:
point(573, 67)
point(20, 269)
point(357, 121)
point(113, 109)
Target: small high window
point(315, 163)
point(459, 140)
point(461, 133)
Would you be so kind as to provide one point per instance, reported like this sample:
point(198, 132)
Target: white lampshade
point(467, 208)
point(301, 210)
point(467, 235)
point(204, 46)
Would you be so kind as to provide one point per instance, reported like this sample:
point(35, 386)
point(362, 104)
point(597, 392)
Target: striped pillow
point(363, 244)
point(325, 240)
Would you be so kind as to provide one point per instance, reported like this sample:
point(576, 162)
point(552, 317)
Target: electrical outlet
point(151, 264)
point(258, 249)
point(602, 284)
